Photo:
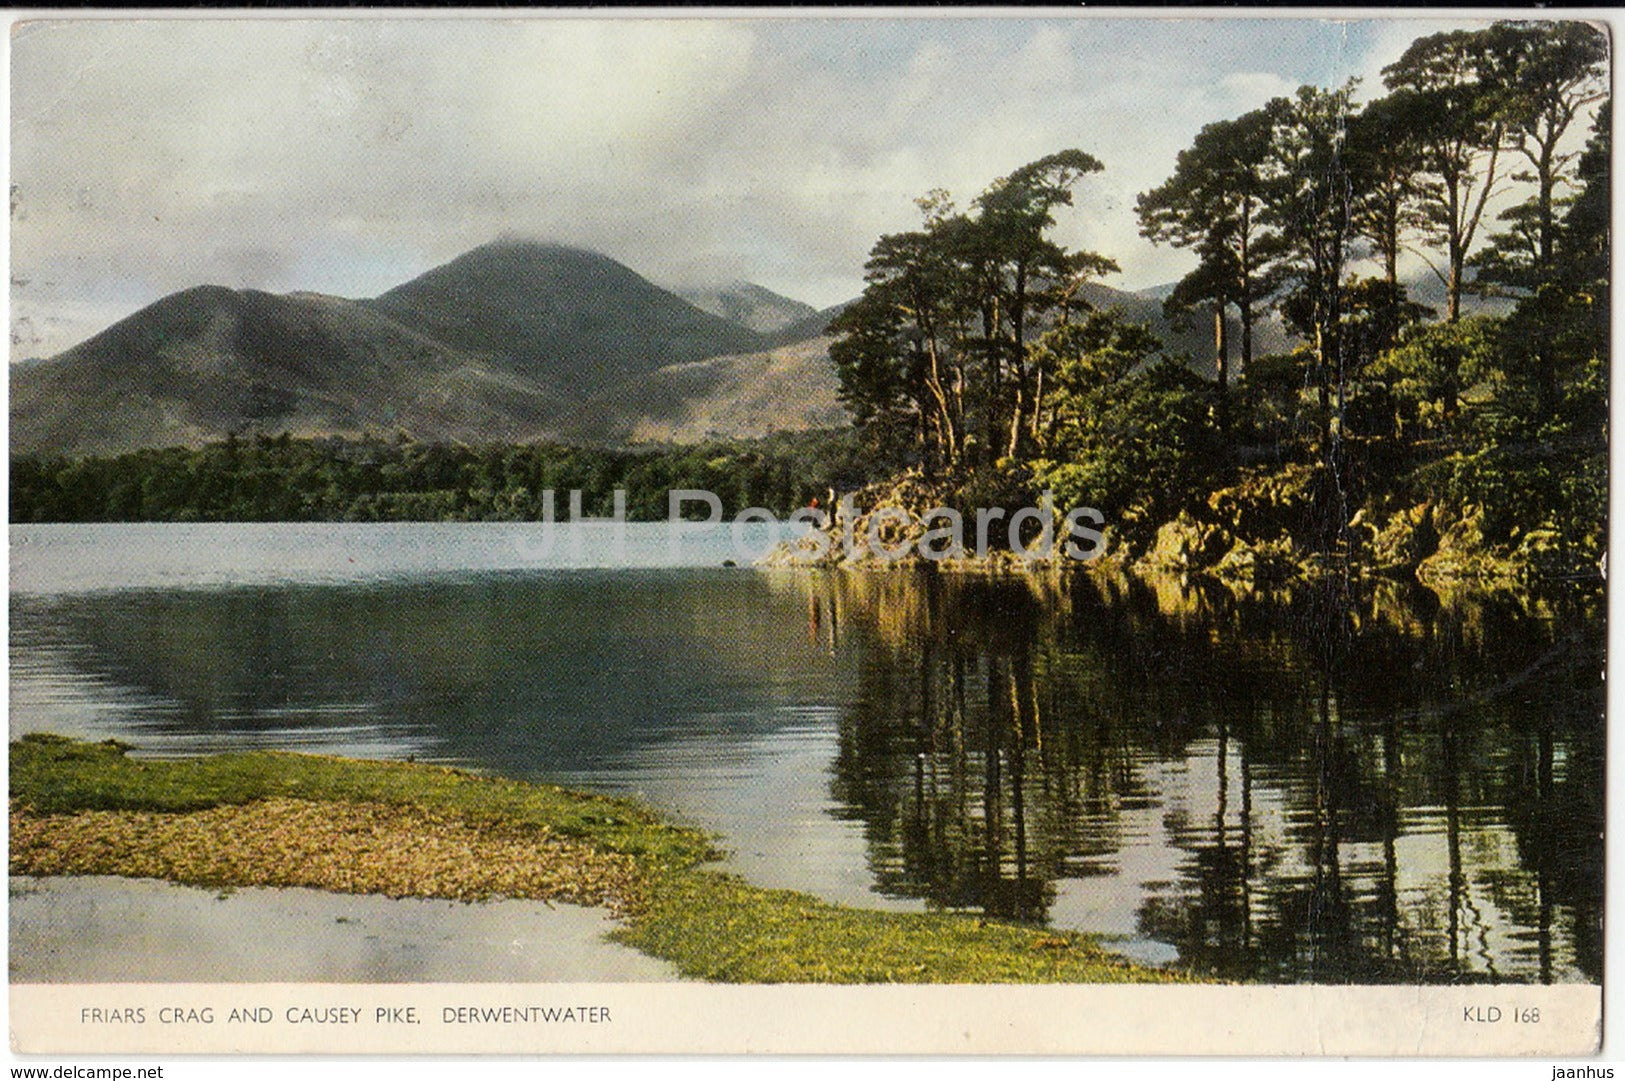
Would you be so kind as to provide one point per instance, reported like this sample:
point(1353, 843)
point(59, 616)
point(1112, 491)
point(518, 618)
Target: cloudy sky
point(348, 156)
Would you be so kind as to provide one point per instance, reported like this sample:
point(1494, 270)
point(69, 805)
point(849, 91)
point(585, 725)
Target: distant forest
point(268, 479)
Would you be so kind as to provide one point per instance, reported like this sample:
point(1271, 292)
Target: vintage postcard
point(809, 532)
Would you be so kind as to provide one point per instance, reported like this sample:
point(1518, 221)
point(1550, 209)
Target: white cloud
point(1250, 89)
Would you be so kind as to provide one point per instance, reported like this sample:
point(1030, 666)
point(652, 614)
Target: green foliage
point(1532, 453)
point(1540, 76)
point(1427, 372)
point(1385, 163)
point(1309, 202)
point(968, 352)
point(285, 479)
point(54, 775)
point(934, 360)
point(880, 382)
point(710, 925)
point(1089, 356)
point(718, 927)
point(1270, 408)
point(1133, 437)
point(1375, 314)
point(1213, 204)
point(1454, 109)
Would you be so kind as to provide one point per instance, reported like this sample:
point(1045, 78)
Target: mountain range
point(513, 341)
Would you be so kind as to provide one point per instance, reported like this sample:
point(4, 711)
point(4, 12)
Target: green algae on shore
point(405, 829)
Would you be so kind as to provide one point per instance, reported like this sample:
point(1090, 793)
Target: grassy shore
point(403, 829)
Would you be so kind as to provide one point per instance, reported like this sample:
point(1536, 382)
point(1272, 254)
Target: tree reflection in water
point(1321, 787)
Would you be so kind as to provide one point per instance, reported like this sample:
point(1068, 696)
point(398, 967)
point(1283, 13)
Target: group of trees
point(938, 351)
point(972, 348)
point(1281, 203)
point(264, 478)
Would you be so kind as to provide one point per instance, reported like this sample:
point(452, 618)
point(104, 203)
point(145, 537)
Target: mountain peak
point(749, 305)
point(575, 317)
point(521, 243)
point(511, 253)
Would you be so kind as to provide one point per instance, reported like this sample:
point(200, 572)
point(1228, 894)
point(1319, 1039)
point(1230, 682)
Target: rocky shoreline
point(1248, 537)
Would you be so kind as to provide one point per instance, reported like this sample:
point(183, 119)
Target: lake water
point(1319, 788)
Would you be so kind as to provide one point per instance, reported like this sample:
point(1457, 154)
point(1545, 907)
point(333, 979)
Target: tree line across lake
point(281, 478)
point(1391, 432)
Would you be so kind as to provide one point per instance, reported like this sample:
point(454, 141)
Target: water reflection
point(1324, 788)
point(539, 675)
point(1335, 786)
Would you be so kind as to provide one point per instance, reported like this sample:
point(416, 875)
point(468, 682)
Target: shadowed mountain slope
point(571, 318)
point(788, 389)
point(492, 346)
point(207, 361)
point(1190, 335)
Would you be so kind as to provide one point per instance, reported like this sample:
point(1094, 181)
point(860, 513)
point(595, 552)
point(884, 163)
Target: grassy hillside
point(566, 317)
point(208, 361)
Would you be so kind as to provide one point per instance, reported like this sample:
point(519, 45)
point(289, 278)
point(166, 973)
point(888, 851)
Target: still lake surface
point(1317, 788)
